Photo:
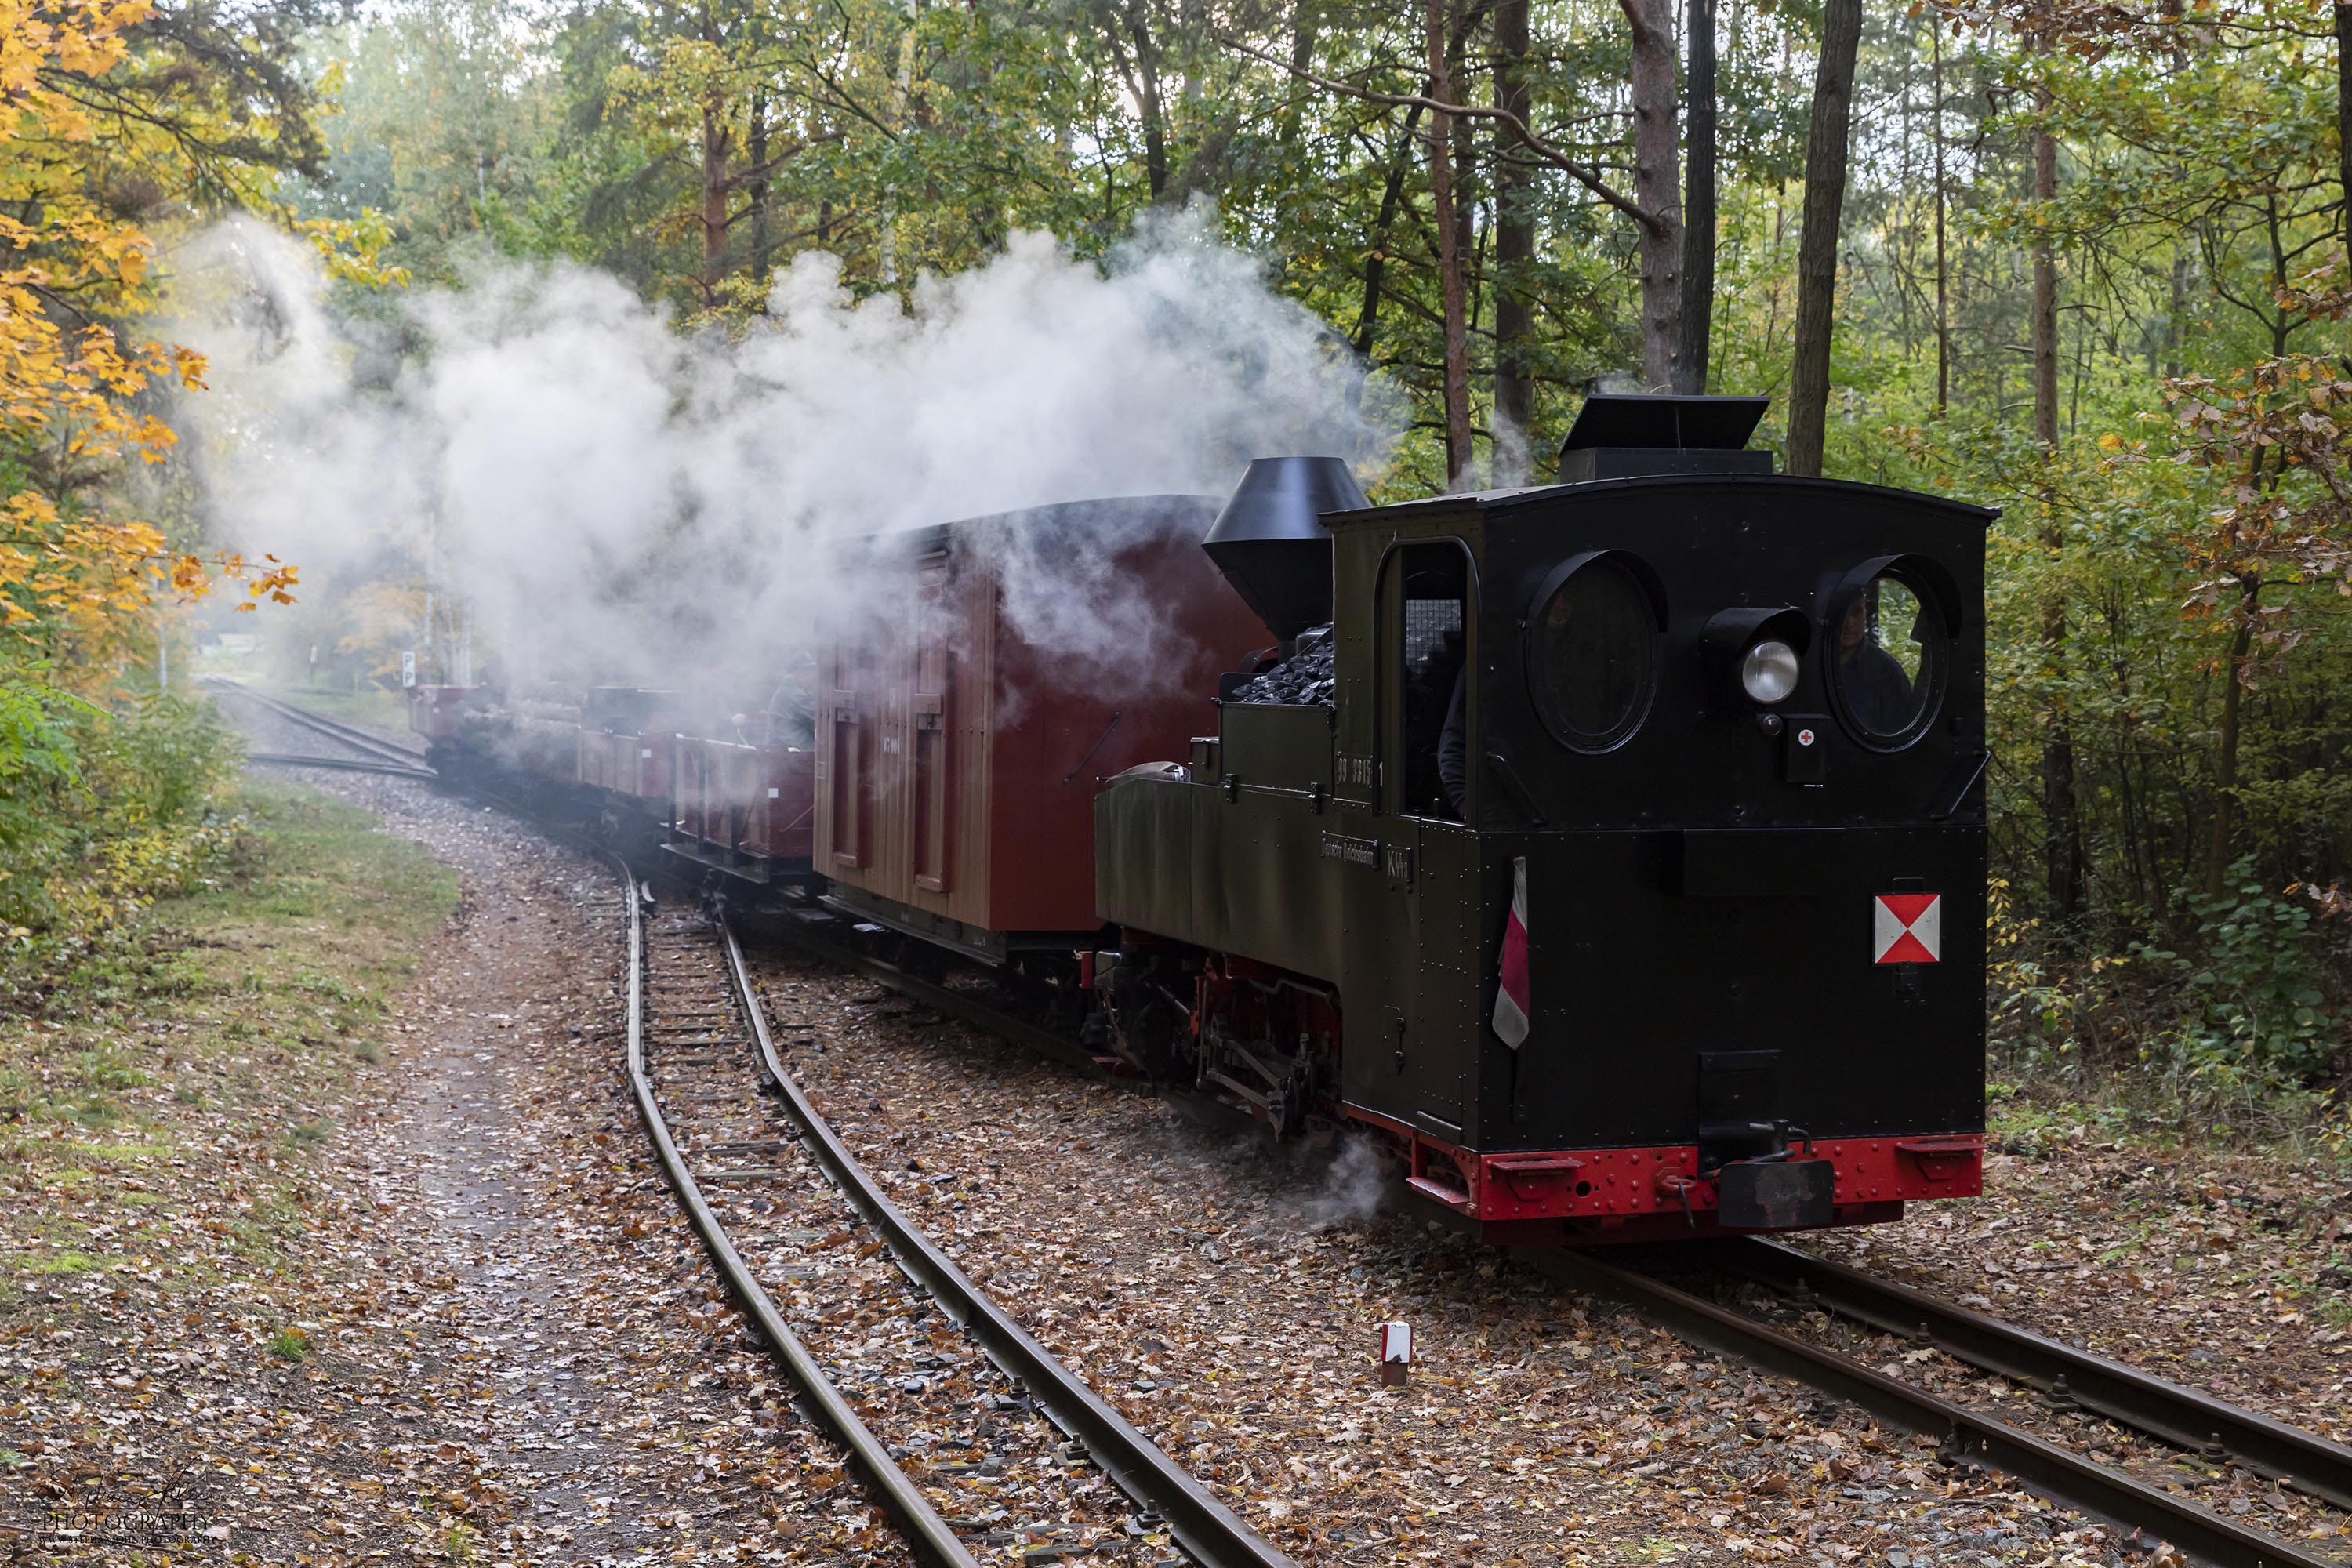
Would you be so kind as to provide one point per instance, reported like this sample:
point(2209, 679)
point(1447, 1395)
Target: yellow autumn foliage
point(73, 579)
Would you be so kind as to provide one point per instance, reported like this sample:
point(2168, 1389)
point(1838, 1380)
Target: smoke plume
point(617, 502)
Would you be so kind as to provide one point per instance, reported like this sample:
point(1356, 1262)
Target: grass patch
point(2035, 1113)
point(247, 1006)
point(289, 1345)
point(62, 1263)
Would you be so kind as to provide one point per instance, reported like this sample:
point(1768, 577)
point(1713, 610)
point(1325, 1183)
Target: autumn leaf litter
point(1226, 1298)
point(509, 1349)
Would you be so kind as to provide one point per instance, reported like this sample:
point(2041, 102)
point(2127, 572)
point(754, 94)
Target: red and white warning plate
point(1909, 929)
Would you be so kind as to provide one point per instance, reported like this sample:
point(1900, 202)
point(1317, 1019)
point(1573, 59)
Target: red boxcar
point(963, 724)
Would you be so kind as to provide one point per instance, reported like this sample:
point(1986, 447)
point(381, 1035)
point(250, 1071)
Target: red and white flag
point(1511, 1003)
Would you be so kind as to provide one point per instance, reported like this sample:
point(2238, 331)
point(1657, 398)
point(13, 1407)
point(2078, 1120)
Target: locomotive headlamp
point(1769, 671)
point(1755, 651)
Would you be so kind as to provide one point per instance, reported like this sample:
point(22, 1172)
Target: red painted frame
point(1627, 1194)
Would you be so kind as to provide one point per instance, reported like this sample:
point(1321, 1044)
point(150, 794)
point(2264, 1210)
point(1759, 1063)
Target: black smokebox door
point(1738, 1106)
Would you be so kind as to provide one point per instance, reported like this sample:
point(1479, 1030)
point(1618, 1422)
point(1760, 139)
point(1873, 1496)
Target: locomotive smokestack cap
point(1271, 546)
point(1618, 434)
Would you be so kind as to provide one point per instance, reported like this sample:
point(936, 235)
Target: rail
point(343, 765)
point(1202, 1526)
point(2064, 1478)
point(930, 1536)
point(351, 735)
point(2182, 1416)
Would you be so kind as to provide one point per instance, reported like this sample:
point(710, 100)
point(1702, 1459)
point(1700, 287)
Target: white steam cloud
point(1358, 1183)
point(620, 503)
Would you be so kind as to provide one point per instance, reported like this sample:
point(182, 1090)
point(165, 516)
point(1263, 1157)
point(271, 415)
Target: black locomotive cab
point(1616, 851)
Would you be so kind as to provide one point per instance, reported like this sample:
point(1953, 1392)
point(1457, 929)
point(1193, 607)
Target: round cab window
point(1887, 660)
point(1592, 656)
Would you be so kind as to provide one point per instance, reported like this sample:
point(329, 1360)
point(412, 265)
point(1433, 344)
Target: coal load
point(1302, 681)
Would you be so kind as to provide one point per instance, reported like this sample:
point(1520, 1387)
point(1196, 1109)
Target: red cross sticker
point(1909, 929)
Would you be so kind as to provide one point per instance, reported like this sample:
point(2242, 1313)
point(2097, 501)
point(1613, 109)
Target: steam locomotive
point(1613, 850)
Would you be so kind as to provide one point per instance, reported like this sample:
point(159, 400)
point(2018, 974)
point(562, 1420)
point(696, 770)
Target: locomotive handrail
point(933, 1539)
point(1211, 1532)
point(1115, 715)
point(1518, 791)
point(1969, 770)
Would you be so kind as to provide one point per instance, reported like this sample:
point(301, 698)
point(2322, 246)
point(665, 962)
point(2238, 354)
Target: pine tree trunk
point(2179, 306)
point(2225, 762)
point(1943, 272)
point(713, 222)
point(1470, 256)
point(2062, 828)
point(1447, 238)
point(2045, 293)
point(1304, 28)
point(1698, 201)
point(1817, 245)
point(2344, 110)
point(758, 199)
point(1155, 127)
point(1657, 182)
point(1515, 229)
point(1368, 316)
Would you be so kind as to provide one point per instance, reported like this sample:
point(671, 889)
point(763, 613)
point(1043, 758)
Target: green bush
point(2253, 998)
point(40, 771)
point(102, 811)
point(161, 760)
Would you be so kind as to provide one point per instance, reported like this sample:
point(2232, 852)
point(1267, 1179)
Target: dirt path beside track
point(481, 1333)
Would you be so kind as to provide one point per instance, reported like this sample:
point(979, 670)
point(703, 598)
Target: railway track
point(2072, 1392)
point(2066, 1379)
point(2070, 1399)
point(940, 1401)
point(369, 745)
point(341, 764)
point(2030, 1448)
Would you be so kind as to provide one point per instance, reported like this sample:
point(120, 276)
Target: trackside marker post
point(1396, 1354)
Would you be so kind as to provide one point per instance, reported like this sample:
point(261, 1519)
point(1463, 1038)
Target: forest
point(2083, 261)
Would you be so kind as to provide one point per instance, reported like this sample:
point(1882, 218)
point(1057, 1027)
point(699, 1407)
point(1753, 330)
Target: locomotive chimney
point(1270, 545)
